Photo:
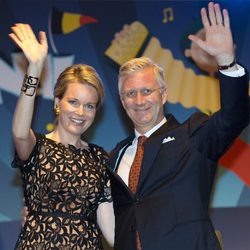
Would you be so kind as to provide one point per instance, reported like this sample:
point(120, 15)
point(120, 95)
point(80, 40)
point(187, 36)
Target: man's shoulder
point(198, 117)
point(196, 121)
point(122, 143)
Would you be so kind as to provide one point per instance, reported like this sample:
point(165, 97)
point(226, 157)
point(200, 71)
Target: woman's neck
point(67, 139)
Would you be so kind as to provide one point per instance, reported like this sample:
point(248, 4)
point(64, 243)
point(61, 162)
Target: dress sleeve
point(27, 164)
point(104, 180)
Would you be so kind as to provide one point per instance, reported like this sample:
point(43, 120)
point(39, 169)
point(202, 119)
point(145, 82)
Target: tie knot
point(142, 139)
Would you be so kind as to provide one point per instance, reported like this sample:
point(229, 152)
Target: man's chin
point(142, 124)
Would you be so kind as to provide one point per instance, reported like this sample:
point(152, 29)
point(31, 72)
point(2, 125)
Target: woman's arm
point(106, 221)
point(35, 52)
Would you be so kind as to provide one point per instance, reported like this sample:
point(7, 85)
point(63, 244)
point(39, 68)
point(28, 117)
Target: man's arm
point(224, 126)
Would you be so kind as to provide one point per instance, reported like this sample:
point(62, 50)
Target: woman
point(66, 187)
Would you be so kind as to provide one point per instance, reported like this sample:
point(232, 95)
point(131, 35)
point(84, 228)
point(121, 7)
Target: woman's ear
point(56, 102)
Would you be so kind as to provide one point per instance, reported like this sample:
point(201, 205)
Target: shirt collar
point(152, 130)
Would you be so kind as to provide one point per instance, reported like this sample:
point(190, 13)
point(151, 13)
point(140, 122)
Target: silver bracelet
point(30, 84)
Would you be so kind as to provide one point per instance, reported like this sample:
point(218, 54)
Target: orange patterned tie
point(135, 173)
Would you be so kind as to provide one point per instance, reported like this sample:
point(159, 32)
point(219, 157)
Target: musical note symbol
point(168, 15)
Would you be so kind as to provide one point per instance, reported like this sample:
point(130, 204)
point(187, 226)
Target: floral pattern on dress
point(63, 187)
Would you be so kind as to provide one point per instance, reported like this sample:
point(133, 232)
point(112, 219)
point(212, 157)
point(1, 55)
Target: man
point(168, 210)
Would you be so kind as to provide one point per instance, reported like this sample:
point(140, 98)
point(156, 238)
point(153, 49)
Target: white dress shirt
point(129, 155)
point(236, 73)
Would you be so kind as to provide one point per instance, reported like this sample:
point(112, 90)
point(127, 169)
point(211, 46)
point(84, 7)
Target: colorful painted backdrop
point(104, 34)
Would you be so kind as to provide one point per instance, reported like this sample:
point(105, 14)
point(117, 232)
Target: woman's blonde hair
point(80, 73)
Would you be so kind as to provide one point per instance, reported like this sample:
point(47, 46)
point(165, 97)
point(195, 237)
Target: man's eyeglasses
point(144, 92)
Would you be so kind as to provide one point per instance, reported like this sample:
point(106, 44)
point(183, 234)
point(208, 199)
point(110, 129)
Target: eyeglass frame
point(135, 92)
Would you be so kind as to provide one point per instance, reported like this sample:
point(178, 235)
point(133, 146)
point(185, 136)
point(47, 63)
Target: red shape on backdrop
point(237, 160)
point(87, 19)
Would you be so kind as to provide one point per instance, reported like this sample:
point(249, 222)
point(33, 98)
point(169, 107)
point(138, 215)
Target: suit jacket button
point(137, 201)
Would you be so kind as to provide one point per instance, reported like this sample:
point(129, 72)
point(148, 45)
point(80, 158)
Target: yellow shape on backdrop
point(127, 43)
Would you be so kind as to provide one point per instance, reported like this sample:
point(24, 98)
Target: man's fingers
point(217, 10)
point(226, 18)
point(211, 13)
point(204, 18)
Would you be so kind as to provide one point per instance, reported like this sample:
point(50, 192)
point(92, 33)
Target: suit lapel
point(152, 147)
point(115, 153)
point(114, 160)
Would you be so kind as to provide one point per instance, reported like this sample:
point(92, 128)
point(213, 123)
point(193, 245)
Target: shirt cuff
point(237, 73)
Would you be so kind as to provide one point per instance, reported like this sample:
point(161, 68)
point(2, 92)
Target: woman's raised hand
point(35, 50)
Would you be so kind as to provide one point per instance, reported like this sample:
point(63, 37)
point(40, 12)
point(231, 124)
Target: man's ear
point(164, 96)
point(122, 101)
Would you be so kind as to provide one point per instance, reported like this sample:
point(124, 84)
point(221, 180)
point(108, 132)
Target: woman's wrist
point(35, 69)
point(30, 84)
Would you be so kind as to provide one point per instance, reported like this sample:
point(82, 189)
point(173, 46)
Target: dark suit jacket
point(170, 207)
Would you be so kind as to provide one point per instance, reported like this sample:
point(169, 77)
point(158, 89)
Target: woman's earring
point(56, 110)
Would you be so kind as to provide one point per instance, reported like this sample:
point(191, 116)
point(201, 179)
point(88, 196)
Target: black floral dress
point(62, 189)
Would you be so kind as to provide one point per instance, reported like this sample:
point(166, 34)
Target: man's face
point(143, 100)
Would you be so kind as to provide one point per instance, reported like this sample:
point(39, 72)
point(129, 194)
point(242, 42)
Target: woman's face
point(77, 108)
